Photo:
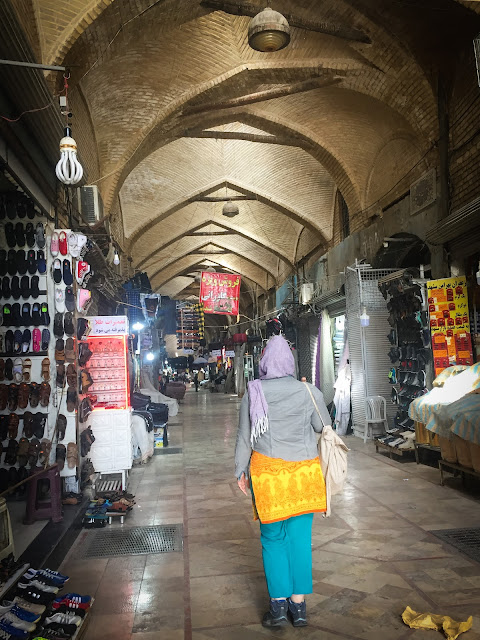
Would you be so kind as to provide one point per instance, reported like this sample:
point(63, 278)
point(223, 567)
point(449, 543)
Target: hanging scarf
point(277, 362)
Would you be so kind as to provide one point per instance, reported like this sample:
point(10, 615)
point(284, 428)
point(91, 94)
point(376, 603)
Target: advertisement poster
point(449, 322)
point(220, 293)
point(108, 325)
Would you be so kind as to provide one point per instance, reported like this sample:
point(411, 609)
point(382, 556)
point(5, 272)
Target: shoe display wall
point(26, 399)
point(410, 353)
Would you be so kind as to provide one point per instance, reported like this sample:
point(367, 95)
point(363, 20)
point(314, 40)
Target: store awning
point(329, 298)
point(460, 222)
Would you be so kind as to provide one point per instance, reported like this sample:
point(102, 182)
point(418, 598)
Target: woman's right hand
point(243, 484)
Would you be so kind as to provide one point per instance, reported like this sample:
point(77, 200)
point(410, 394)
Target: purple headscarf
point(277, 362)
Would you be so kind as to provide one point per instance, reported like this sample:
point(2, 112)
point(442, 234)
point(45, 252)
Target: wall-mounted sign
point(230, 354)
point(108, 325)
point(449, 322)
point(216, 353)
point(220, 293)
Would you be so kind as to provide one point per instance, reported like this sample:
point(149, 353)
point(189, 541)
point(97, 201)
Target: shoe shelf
point(392, 450)
point(443, 464)
point(25, 354)
point(12, 581)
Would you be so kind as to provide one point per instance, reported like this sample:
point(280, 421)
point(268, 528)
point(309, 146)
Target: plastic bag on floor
point(451, 628)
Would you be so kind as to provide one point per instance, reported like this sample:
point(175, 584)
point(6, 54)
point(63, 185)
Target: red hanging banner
point(220, 293)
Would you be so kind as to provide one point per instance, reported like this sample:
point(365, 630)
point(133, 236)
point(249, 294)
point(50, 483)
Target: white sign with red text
point(108, 325)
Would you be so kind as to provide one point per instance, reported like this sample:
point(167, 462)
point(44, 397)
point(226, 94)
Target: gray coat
point(293, 422)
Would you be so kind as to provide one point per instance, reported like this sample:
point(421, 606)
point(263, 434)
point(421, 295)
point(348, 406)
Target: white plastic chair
point(375, 413)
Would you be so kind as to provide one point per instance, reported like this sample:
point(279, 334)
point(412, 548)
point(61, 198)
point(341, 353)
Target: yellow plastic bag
point(451, 628)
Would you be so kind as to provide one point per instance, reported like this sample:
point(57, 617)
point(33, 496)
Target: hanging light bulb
point(68, 170)
point(364, 318)
point(116, 258)
point(230, 209)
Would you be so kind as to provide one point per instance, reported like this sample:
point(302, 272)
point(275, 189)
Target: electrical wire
point(47, 106)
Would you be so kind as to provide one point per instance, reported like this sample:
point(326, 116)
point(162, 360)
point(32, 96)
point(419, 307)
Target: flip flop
point(45, 339)
point(8, 369)
point(34, 287)
point(18, 370)
point(62, 243)
point(61, 454)
point(54, 245)
point(36, 314)
point(44, 315)
point(61, 426)
point(22, 453)
point(40, 235)
point(30, 235)
point(25, 287)
point(41, 262)
point(26, 340)
point(46, 369)
point(7, 315)
point(28, 424)
point(31, 262)
point(17, 341)
point(26, 314)
point(72, 455)
point(44, 453)
point(27, 370)
point(9, 339)
point(37, 337)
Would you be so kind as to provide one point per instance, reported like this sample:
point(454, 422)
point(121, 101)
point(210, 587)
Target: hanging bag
point(332, 452)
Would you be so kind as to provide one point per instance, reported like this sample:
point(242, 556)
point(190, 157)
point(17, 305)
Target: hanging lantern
point(68, 170)
point(230, 209)
point(268, 31)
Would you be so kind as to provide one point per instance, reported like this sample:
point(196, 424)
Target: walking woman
point(276, 452)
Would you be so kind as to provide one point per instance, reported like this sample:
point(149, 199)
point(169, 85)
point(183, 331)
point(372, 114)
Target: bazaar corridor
point(372, 558)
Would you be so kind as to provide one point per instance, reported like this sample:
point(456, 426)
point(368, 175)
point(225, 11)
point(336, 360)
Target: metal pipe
point(33, 65)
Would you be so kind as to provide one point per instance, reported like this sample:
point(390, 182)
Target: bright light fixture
point(116, 259)
point(364, 318)
point(268, 31)
point(68, 169)
point(138, 326)
point(150, 356)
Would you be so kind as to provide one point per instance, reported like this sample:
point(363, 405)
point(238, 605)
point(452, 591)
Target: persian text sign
point(220, 292)
point(449, 322)
point(108, 325)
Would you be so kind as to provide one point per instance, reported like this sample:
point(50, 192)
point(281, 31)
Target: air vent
point(423, 192)
point(91, 204)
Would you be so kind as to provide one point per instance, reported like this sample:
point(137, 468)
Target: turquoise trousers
point(287, 556)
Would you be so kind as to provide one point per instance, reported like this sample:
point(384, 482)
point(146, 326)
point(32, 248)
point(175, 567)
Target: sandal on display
point(12, 402)
point(61, 426)
point(33, 451)
point(28, 424)
point(2, 369)
point(61, 454)
point(71, 399)
point(13, 422)
point(22, 453)
point(11, 452)
point(9, 369)
point(18, 370)
point(39, 423)
point(72, 455)
point(23, 395)
point(3, 398)
point(59, 351)
point(71, 375)
point(34, 394)
point(70, 350)
point(27, 369)
point(60, 378)
point(44, 453)
point(45, 339)
point(45, 391)
point(46, 369)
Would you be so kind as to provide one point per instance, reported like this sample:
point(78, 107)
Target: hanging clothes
point(341, 399)
point(325, 369)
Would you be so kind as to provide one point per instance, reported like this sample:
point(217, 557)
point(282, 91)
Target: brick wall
point(464, 143)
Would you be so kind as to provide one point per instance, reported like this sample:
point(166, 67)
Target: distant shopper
point(277, 451)
point(195, 380)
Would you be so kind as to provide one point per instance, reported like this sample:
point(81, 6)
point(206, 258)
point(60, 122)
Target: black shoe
point(297, 613)
point(34, 287)
point(277, 616)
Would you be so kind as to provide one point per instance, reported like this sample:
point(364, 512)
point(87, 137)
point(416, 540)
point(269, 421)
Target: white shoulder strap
point(314, 403)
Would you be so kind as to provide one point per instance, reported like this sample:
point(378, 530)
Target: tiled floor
point(372, 558)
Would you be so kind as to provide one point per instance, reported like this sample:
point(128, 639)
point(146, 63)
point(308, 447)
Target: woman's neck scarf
point(277, 362)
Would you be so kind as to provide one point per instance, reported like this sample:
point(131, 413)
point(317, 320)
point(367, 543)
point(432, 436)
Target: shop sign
point(449, 322)
point(216, 353)
point(108, 325)
point(230, 354)
point(220, 293)
point(189, 352)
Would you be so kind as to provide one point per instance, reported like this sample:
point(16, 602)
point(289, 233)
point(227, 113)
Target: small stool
point(44, 511)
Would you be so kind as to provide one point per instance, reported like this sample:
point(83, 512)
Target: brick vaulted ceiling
point(150, 79)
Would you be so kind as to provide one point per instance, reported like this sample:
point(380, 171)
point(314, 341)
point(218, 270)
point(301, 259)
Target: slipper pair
point(20, 287)
point(59, 272)
point(63, 324)
point(70, 453)
point(41, 340)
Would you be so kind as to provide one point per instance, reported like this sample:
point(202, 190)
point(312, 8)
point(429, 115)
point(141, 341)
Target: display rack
point(425, 446)
point(392, 450)
point(442, 464)
point(12, 581)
